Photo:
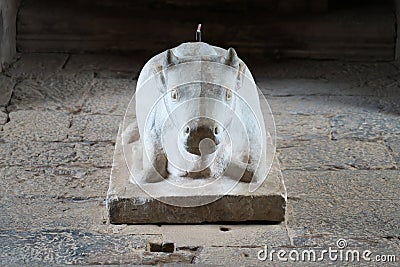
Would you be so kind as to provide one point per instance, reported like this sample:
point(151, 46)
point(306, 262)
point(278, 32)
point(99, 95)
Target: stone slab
point(368, 126)
point(343, 217)
point(70, 181)
point(358, 185)
point(42, 212)
point(226, 235)
point(393, 143)
point(32, 125)
point(128, 203)
point(38, 66)
point(292, 129)
point(69, 247)
point(94, 128)
point(109, 66)
point(109, 96)
point(36, 154)
point(334, 155)
point(54, 94)
point(327, 105)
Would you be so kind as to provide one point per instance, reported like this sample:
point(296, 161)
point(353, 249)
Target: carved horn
point(171, 59)
point(231, 58)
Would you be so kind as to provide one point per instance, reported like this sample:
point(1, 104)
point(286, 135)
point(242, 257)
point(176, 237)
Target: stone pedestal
point(127, 203)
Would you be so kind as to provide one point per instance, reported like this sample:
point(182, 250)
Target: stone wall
point(8, 14)
point(327, 29)
point(397, 4)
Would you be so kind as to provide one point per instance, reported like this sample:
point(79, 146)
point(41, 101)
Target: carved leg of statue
point(130, 134)
point(155, 161)
point(156, 171)
point(236, 170)
point(256, 160)
point(247, 166)
point(242, 171)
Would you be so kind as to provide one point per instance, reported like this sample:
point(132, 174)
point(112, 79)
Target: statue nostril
point(187, 130)
point(216, 130)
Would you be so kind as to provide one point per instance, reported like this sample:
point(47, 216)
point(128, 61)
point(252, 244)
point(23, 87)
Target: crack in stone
point(17, 82)
point(66, 61)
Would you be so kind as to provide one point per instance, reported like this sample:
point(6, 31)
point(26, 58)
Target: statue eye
point(174, 95)
point(228, 94)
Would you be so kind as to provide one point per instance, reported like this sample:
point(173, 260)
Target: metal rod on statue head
point(198, 33)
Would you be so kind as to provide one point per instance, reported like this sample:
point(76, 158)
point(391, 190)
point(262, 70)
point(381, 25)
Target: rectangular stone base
point(127, 203)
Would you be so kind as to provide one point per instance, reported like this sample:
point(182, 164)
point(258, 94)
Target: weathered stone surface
point(228, 256)
point(95, 154)
point(365, 126)
point(3, 116)
point(94, 128)
point(230, 235)
point(110, 96)
point(325, 105)
point(343, 184)
point(41, 212)
point(104, 66)
point(36, 154)
point(295, 128)
point(69, 247)
point(182, 256)
point(393, 144)
point(62, 181)
point(354, 73)
point(52, 94)
point(291, 87)
point(36, 126)
point(39, 66)
point(344, 217)
point(128, 203)
point(6, 88)
point(332, 155)
point(391, 105)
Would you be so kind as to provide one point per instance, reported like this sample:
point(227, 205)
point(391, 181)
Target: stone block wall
point(397, 6)
point(321, 29)
point(325, 29)
point(8, 15)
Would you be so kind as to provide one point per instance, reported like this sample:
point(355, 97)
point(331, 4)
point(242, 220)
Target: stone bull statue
point(199, 116)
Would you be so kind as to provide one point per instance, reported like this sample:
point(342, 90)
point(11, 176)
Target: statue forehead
point(194, 49)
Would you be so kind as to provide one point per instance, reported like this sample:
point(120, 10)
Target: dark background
point(321, 29)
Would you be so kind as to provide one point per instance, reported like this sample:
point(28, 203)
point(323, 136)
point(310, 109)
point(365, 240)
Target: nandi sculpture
point(197, 143)
point(199, 116)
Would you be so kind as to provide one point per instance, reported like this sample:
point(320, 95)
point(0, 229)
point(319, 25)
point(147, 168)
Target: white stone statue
point(199, 116)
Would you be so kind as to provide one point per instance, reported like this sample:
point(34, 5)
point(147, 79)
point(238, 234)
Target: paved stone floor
point(338, 128)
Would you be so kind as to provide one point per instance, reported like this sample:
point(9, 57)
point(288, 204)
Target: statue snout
point(201, 136)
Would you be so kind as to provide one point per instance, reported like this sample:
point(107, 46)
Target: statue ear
point(231, 59)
